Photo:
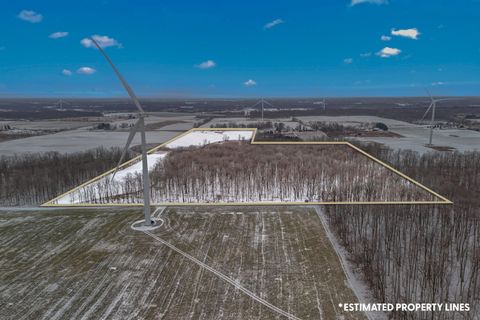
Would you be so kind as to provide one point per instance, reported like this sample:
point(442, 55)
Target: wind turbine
point(61, 102)
point(324, 102)
point(139, 125)
point(433, 106)
point(262, 102)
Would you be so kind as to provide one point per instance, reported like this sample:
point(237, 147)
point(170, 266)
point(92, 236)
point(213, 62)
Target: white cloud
point(86, 70)
point(206, 64)
point(365, 55)
point(385, 38)
point(58, 35)
point(249, 83)
point(412, 33)
point(438, 83)
point(67, 72)
point(355, 2)
point(103, 42)
point(348, 60)
point(30, 16)
point(388, 52)
point(273, 23)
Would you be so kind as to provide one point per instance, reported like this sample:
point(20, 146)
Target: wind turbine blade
point(429, 94)
point(268, 103)
point(426, 112)
point(133, 130)
point(256, 104)
point(122, 80)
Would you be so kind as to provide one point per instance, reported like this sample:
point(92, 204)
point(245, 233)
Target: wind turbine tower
point(262, 102)
point(60, 103)
point(139, 125)
point(433, 106)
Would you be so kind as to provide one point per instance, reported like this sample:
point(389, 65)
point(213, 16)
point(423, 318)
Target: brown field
point(72, 264)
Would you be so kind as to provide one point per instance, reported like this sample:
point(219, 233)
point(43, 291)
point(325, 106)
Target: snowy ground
point(194, 138)
point(354, 276)
point(78, 140)
point(200, 138)
point(120, 175)
point(89, 264)
point(103, 192)
point(136, 168)
point(417, 137)
point(414, 137)
point(79, 136)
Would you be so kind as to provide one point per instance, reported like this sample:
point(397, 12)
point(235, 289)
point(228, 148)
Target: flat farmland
point(77, 141)
point(412, 136)
point(78, 135)
point(89, 264)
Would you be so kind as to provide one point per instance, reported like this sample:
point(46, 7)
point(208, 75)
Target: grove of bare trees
point(241, 172)
point(32, 179)
point(421, 253)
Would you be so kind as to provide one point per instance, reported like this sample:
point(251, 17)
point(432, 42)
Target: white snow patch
point(136, 168)
point(152, 160)
point(201, 138)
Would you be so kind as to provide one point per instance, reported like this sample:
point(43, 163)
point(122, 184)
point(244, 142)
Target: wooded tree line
point(241, 172)
point(257, 124)
point(422, 253)
point(36, 178)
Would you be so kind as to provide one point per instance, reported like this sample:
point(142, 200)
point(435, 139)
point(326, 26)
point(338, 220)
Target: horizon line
point(225, 97)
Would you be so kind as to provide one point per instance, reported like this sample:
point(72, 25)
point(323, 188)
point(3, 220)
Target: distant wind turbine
point(433, 106)
point(60, 103)
point(262, 103)
point(139, 125)
point(324, 102)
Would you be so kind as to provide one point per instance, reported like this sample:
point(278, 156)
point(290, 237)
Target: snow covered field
point(414, 136)
point(78, 136)
point(200, 138)
point(77, 141)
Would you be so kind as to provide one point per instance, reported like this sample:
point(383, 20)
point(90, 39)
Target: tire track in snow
point(347, 273)
point(225, 278)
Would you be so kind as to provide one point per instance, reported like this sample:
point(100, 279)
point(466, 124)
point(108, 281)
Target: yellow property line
point(443, 200)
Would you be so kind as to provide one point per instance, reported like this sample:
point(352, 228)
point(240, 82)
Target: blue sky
point(241, 48)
